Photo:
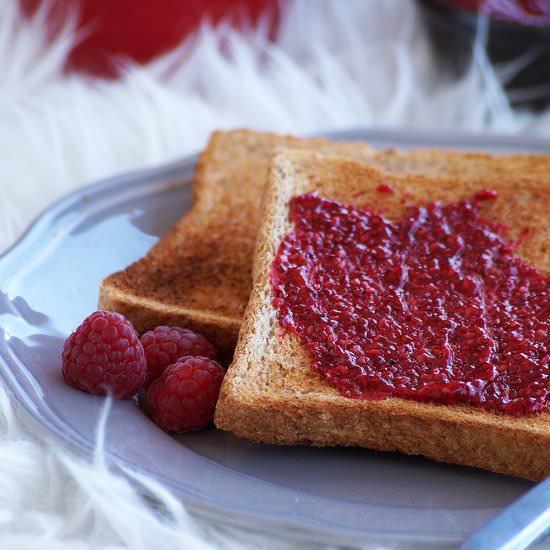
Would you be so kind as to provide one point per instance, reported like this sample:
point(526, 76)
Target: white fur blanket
point(347, 63)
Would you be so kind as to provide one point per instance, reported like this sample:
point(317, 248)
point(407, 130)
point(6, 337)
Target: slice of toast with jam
point(476, 395)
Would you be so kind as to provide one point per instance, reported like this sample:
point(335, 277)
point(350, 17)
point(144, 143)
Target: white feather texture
point(336, 64)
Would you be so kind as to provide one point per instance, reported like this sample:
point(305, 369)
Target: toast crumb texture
point(270, 393)
point(199, 274)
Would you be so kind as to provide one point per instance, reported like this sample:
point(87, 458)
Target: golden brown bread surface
point(270, 393)
point(199, 274)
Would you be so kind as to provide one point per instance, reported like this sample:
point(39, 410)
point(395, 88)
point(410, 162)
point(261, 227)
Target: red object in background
point(527, 12)
point(140, 30)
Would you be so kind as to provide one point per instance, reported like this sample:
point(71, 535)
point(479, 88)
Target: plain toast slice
point(271, 394)
point(199, 274)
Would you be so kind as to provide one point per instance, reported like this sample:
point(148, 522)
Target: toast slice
point(271, 394)
point(199, 274)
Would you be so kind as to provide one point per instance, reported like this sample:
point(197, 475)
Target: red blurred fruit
point(184, 398)
point(104, 355)
point(142, 29)
point(526, 12)
point(164, 345)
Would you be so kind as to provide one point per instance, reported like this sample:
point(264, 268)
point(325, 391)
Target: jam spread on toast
point(435, 307)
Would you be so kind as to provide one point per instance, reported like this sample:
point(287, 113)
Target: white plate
point(49, 282)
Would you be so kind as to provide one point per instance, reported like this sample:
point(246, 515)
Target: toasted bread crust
point(147, 314)
point(271, 394)
point(392, 425)
point(199, 274)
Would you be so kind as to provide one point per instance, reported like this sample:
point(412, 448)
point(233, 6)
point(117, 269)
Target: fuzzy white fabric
point(336, 64)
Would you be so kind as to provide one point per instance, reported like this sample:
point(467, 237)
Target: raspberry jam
point(385, 188)
point(435, 307)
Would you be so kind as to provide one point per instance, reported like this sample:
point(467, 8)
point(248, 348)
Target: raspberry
point(184, 397)
point(104, 354)
point(165, 345)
